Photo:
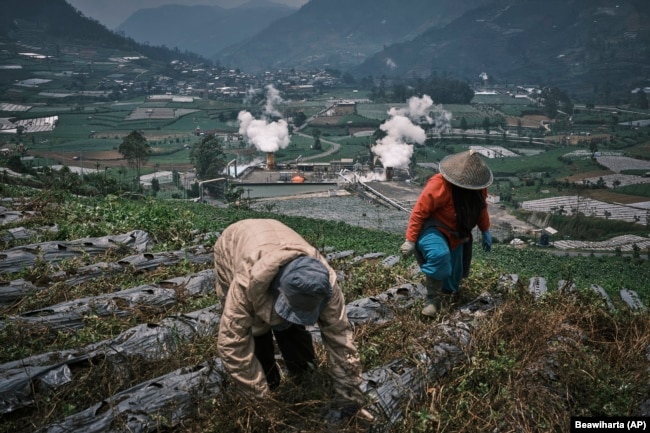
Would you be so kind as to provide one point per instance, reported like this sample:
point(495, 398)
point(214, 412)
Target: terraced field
point(91, 353)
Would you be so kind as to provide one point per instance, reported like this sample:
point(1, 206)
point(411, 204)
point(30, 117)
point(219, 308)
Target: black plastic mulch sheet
point(379, 309)
point(393, 386)
point(153, 297)
point(8, 216)
point(149, 342)
point(13, 291)
point(163, 401)
point(17, 258)
point(390, 387)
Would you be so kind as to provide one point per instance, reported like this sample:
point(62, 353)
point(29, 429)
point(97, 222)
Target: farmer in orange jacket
point(440, 226)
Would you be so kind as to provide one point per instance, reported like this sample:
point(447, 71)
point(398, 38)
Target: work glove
point(407, 248)
point(486, 241)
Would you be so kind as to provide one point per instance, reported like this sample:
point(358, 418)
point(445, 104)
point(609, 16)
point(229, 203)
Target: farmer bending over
point(273, 283)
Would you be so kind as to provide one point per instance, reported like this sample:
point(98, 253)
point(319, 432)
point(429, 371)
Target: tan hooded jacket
point(247, 256)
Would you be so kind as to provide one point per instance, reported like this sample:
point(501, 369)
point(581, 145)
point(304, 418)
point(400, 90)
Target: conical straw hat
point(466, 170)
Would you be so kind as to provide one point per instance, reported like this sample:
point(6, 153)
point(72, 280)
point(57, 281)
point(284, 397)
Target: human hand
point(486, 241)
point(355, 410)
point(407, 248)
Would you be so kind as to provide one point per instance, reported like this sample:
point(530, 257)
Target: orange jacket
point(435, 201)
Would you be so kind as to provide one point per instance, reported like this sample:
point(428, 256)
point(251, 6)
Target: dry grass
point(587, 175)
point(609, 196)
point(535, 363)
point(531, 363)
point(300, 404)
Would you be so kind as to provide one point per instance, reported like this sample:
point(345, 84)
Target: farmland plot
point(617, 164)
point(175, 394)
point(620, 163)
point(571, 205)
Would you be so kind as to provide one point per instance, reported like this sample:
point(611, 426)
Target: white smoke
point(396, 148)
point(391, 63)
point(265, 135)
point(273, 99)
point(249, 97)
point(441, 120)
point(417, 110)
point(236, 169)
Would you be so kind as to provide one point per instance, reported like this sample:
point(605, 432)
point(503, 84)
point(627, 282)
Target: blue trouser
point(440, 263)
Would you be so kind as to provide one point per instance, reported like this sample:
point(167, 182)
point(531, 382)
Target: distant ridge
point(52, 21)
point(201, 29)
point(340, 33)
point(584, 46)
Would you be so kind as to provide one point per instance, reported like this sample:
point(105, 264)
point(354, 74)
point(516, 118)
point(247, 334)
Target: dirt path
point(500, 217)
point(103, 159)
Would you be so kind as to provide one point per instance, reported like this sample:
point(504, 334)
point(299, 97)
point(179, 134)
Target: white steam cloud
point(395, 149)
point(265, 135)
point(402, 129)
point(272, 100)
point(249, 96)
point(417, 110)
point(441, 119)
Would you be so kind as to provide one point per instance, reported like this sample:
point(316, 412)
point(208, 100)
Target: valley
point(330, 119)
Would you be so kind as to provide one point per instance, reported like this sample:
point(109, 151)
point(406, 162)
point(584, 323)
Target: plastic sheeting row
point(391, 387)
point(17, 258)
point(17, 289)
point(154, 297)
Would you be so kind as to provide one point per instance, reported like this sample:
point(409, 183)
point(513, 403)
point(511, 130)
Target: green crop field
point(546, 162)
point(376, 111)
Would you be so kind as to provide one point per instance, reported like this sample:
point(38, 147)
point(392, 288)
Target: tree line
point(441, 89)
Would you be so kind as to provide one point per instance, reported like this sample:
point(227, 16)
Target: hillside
point(48, 24)
point(113, 13)
point(201, 29)
point(339, 33)
point(108, 314)
point(113, 324)
point(583, 46)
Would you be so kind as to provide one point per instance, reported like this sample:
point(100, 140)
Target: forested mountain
point(201, 29)
point(585, 46)
point(47, 23)
point(599, 47)
point(340, 33)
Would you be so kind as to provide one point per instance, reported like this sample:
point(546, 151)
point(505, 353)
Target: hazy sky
point(112, 13)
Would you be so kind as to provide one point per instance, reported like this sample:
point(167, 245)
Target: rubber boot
point(434, 288)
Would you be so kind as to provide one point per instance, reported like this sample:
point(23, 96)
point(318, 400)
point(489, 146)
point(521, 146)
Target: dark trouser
point(297, 350)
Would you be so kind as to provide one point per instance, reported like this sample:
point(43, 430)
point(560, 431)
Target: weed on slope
point(531, 364)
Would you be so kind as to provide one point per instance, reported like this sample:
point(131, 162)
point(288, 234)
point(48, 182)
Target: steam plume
point(249, 96)
point(265, 135)
point(417, 110)
point(402, 129)
point(395, 150)
point(441, 120)
point(272, 100)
